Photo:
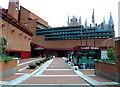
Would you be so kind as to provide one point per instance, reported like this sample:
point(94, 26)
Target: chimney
point(90, 25)
point(96, 25)
point(13, 8)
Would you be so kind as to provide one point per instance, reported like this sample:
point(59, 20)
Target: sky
point(56, 12)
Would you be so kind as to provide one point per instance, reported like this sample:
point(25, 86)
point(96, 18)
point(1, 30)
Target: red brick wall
point(106, 68)
point(16, 41)
point(117, 51)
point(25, 54)
point(68, 43)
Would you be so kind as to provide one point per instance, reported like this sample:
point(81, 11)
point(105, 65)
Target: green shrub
point(3, 43)
point(106, 61)
point(6, 58)
point(111, 53)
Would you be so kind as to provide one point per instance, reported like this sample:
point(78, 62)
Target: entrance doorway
point(84, 57)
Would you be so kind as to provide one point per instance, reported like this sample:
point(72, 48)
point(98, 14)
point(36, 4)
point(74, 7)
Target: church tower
point(73, 21)
point(13, 8)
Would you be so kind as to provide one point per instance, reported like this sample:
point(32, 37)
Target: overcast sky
point(56, 12)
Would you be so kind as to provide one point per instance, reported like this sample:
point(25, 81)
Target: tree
point(111, 53)
point(3, 43)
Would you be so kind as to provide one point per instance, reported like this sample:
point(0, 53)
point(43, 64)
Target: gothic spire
point(110, 22)
point(80, 22)
point(68, 21)
point(104, 23)
point(86, 23)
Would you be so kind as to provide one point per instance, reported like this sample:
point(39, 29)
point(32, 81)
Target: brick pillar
point(117, 51)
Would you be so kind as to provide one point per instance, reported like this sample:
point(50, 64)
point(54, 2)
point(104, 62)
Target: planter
point(66, 61)
point(47, 58)
point(5, 66)
point(38, 63)
point(32, 66)
point(7, 69)
point(118, 64)
point(42, 61)
point(106, 70)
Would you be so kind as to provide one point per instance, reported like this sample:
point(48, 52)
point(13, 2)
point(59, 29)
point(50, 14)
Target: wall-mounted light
point(20, 34)
point(25, 24)
point(12, 30)
point(2, 25)
point(25, 37)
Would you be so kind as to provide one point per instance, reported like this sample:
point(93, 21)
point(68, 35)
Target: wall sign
point(89, 48)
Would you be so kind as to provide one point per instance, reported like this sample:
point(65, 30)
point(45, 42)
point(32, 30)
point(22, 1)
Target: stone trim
point(104, 75)
point(7, 73)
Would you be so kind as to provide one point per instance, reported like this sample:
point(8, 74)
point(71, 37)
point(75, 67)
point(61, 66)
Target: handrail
point(78, 36)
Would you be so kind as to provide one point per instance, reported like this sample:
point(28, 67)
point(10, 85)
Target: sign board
point(89, 48)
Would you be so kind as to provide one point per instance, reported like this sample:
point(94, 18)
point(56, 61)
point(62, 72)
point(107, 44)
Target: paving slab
point(58, 62)
point(26, 60)
point(22, 66)
point(58, 67)
point(59, 72)
point(28, 71)
point(87, 72)
point(55, 80)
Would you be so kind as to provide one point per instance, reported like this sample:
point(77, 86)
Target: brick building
point(29, 35)
point(62, 40)
point(17, 35)
point(18, 29)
